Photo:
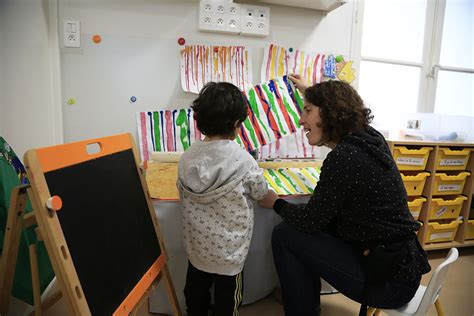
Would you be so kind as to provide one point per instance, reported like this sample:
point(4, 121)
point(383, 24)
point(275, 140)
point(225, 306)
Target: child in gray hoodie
point(217, 181)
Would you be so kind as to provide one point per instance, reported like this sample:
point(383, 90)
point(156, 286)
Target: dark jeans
point(302, 259)
point(228, 291)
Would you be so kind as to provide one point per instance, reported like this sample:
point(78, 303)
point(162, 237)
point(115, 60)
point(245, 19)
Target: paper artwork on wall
point(292, 181)
point(315, 67)
point(166, 130)
point(291, 146)
point(201, 64)
point(274, 111)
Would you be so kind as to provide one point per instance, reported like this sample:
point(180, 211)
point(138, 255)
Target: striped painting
point(291, 146)
point(201, 64)
point(274, 111)
point(292, 181)
point(314, 67)
point(166, 130)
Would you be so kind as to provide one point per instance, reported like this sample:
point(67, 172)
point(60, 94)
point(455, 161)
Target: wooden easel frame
point(10, 244)
point(56, 246)
point(16, 221)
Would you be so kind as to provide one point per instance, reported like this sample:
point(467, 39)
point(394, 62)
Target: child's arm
point(255, 184)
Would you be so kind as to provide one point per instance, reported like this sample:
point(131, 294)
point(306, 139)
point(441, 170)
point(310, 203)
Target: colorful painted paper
point(274, 112)
point(166, 130)
point(201, 64)
point(161, 179)
point(315, 67)
point(292, 181)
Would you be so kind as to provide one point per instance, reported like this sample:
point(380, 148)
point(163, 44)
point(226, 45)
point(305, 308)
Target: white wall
point(139, 56)
point(30, 115)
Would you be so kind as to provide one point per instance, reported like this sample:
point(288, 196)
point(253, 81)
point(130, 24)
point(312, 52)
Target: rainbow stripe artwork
point(201, 64)
point(166, 130)
point(315, 67)
point(274, 111)
point(291, 146)
point(292, 181)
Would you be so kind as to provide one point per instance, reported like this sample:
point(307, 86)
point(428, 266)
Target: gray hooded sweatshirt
point(217, 181)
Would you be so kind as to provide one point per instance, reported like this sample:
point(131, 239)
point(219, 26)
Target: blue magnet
point(133, 99)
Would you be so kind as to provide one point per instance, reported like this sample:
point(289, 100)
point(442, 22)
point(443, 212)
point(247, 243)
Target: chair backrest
point(436, 282)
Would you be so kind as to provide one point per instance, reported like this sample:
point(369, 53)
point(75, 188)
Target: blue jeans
point(302, 259)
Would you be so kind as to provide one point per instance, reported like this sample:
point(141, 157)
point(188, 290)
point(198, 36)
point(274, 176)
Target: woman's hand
point(268, 200)
point(299, 82)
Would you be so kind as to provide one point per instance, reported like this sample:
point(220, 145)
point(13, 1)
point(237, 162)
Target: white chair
point(425, 296)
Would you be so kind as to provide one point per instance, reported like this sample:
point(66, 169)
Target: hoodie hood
point(208, 170)
point(372, 142)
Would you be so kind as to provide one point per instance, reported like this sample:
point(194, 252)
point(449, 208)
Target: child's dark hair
point(218, 107)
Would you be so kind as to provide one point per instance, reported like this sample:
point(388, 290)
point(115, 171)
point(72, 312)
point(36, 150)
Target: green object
point(12, 173)
point(339, 58)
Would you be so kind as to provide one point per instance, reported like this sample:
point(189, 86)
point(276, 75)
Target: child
point(217, 181)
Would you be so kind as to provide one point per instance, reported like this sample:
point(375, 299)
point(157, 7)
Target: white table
point(260, 277)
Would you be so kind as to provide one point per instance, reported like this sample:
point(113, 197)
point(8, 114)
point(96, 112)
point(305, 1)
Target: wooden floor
point(457, 295)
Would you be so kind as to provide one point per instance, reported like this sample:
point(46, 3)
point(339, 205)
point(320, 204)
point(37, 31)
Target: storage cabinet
point(439, 180)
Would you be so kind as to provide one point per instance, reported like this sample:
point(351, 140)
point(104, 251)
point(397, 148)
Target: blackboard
point(107, 226)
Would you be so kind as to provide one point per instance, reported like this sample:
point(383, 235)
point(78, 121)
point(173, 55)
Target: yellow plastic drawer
point(415, 184)
point(411, 159)
point(437, 232)
point(449, 159)
point(446, 209)
point(415, 206)
point(469, 234)
point(449, 184)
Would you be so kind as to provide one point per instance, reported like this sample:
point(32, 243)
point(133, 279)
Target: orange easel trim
point(139, 290)
point(57, 157)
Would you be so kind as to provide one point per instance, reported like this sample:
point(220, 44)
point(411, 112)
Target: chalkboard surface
point(107, 226)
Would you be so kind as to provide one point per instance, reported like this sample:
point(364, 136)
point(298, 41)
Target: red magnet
point(181, 41)
point(54, 203)
point(96, 39)
point(216, 49)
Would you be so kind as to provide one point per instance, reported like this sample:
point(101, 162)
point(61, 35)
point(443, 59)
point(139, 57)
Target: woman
point(356, 231)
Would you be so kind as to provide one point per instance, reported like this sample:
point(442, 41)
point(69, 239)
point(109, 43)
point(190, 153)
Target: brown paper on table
point(161, 179)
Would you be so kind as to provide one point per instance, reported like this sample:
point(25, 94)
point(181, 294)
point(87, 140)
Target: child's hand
point(268, 200)
point(298, 81)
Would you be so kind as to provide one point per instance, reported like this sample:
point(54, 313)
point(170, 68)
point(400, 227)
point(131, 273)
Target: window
point(416, 56)
point(455, 81)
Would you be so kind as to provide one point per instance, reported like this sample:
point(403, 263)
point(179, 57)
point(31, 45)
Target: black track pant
point(228, 291)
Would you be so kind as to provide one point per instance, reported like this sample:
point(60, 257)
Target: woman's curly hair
point(341, 109)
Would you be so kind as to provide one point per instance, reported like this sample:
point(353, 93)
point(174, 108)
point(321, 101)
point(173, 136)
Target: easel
point(49, 230)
